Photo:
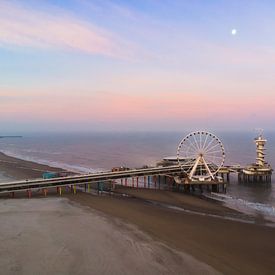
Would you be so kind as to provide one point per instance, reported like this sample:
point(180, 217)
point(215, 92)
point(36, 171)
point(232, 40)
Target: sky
point(145, 65)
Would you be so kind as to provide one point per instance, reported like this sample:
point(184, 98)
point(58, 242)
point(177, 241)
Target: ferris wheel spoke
point(188, 169)
point(215, 160)
point(186, 163)
point(213, 152)
point(189, 143)
point(183, 148)
point(200, 139)
point(196, 142)
point(191, 160)
point(190, 165)
point(214, 157)
point(204, 144)
point(193, 146)
point(214, 164)
point(193, 156)
point(213, 169)
point(212, 147)
point(187, 148)
point(209, 144)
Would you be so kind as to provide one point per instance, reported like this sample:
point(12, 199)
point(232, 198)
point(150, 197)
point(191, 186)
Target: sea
point(99, 151)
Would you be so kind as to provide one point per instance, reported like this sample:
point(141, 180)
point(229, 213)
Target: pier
point(194, 171)
point(198, 166)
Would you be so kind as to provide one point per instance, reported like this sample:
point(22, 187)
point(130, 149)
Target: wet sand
point(230, 247)
point(15, 168)
point(56, 236)
point(186, 201)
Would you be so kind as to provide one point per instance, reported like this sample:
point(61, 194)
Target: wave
point(40, 152)
point(244, 205)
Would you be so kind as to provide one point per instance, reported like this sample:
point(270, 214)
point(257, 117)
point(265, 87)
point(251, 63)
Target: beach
point(142, 231)
point(19, 169)
point(56, 236)
point(229, 246)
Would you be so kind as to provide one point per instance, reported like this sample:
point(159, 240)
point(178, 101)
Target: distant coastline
point(11, 136)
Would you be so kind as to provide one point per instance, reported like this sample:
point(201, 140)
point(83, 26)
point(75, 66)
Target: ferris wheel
point(200, 155)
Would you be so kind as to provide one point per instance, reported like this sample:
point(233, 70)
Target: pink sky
point(101, 65)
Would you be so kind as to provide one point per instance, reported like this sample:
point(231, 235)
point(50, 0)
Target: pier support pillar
point(155, 181)
point(200, 186)
point(113, 184)
point(186, 188)
point(170, 183)
point(45, 191)
point(100, 187)
point(214, 188)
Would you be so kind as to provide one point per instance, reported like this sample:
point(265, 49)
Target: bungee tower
point(260, 171)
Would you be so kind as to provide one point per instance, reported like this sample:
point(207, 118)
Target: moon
point(233, 31)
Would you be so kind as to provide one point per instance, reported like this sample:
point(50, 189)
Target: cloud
point(22, 26)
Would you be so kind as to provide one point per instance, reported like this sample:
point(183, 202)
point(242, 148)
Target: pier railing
point(88, 178)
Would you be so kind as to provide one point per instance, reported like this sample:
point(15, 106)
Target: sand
point(55, 236)
point(87, 234)
point(15, 168)
point(230, 247)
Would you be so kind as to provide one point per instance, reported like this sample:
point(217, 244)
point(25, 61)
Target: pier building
point(260, 171)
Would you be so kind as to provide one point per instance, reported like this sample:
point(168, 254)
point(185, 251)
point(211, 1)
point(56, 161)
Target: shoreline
point(228, 246)
point(19, 169)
